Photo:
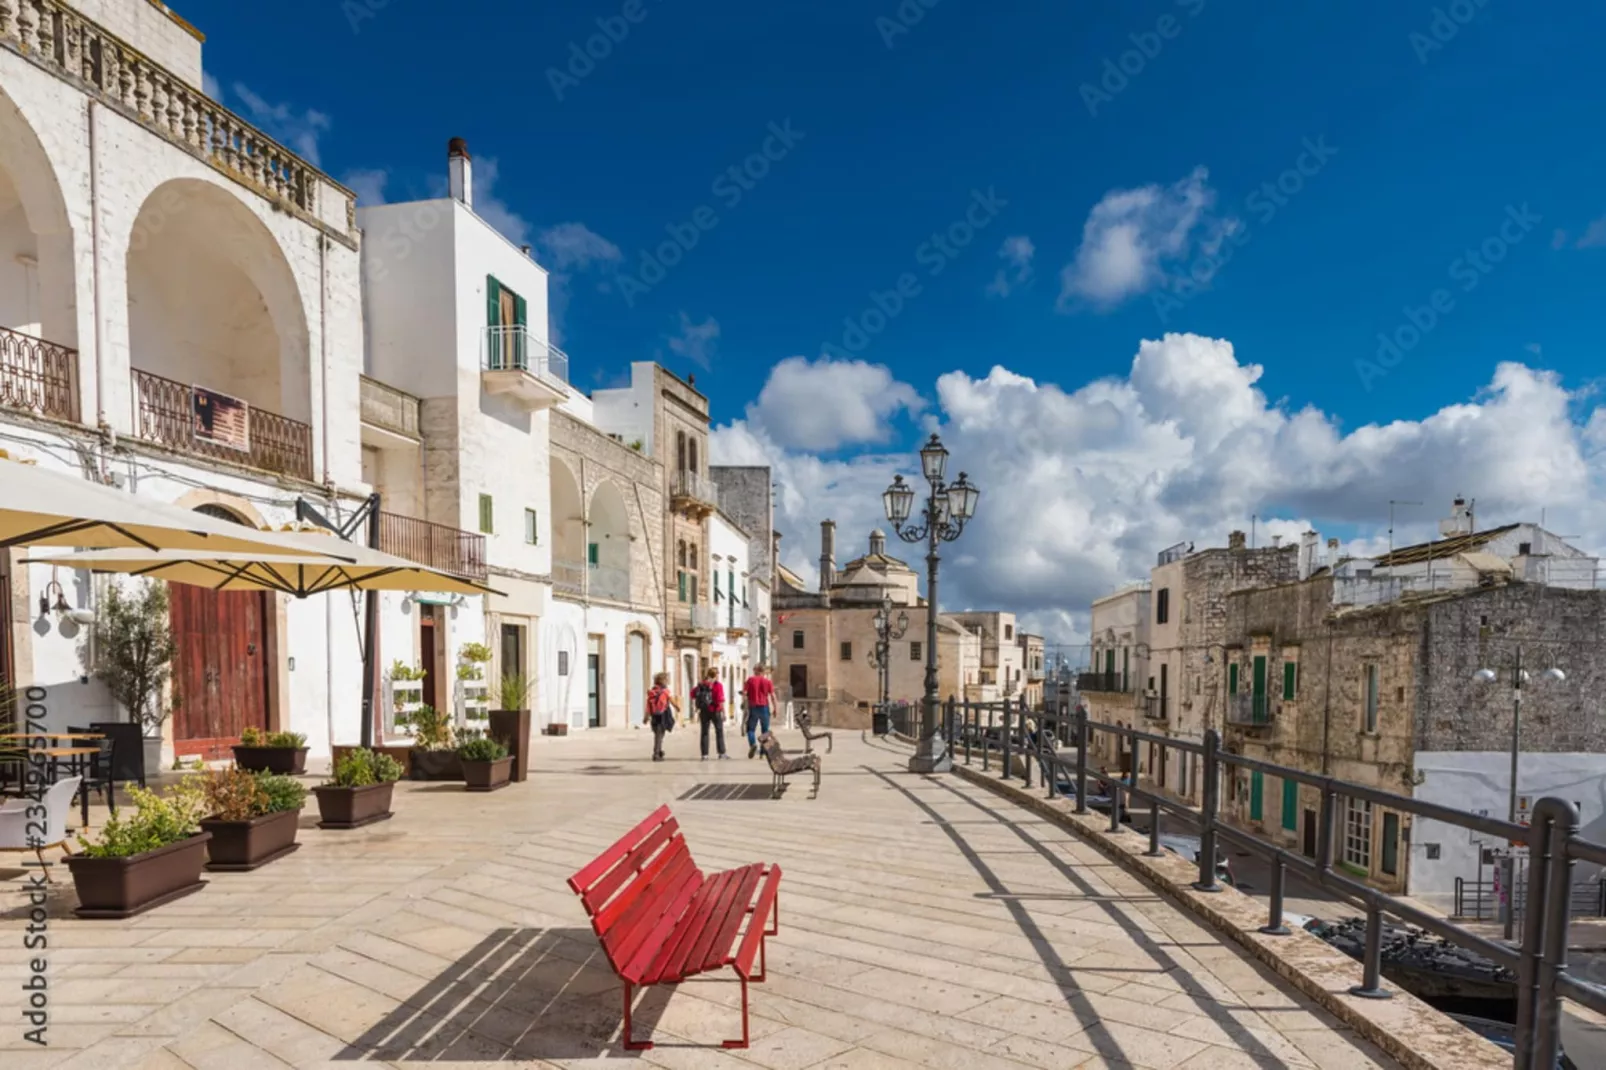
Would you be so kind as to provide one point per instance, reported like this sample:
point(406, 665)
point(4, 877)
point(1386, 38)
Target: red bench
point(661, 919)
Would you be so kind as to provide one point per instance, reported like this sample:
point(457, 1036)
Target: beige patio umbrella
point(44, 508)
point(302, 573)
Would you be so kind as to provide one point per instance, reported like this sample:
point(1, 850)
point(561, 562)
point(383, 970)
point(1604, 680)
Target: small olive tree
point(134, 643)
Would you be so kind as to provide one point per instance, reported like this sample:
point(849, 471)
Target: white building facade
point(180, 316)
point(731, 588)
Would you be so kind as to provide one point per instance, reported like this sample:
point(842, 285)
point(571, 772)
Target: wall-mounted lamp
point(60, 607)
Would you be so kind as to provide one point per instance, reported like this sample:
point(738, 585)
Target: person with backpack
point(709, 698)
point(659, 715)
point(760, 693)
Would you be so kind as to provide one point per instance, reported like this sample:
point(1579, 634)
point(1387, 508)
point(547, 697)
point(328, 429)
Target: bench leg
point(634, 1045)
point(743, 1042)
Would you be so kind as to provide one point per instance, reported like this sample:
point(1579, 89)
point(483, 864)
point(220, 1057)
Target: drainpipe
point(94, 252)
point(323, 344)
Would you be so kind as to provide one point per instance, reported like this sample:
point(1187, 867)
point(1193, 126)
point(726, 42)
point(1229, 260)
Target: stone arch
point(225, 506)
point(38, 284)
point(212, 299)
point(568, 515)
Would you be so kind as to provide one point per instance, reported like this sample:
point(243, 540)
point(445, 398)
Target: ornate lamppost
point(887, 631)
point(948, 507)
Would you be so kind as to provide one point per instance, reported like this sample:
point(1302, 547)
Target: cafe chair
point(99, 772)
point(19, 830)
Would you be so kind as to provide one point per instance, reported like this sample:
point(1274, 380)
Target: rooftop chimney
point(1459, 521)
point(1236, 540)
point(1307, 554)
point(1332, 553)
point(827, 554)
point(460, 172)
point(1276, 542)
point(878, 542)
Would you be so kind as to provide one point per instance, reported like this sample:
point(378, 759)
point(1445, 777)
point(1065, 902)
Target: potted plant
point(253, 818)
point(510, 723)
point(145, 856)
point(486, 764)
point(271, 752)
point(360, 791)
point(134, 656)
point(433, 756)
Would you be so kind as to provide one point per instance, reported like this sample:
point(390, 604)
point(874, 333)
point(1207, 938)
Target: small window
point(1430, 851)
point(680, 553)
point(487, 515)
point(716, 585)
point(1525, 548)
point(1232, 678)
point(1162, 605)
point(847, 651)
point(593, 557)
point(563, 663)
point(532, 530)
point(682, 577)
point(1009, 631)
point(1290, 679)
point(914, 651)
point(692, 560)
point(1369, 697)
point(797, 639)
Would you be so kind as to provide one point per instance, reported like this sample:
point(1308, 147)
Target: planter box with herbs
point(434, 754)
point(360, 792)
point(145, 857)
point(254, 818)
point(487, 765)
point(272, 752)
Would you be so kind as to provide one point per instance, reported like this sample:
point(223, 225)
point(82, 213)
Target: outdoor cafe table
point(51, 735)
point(75, 759)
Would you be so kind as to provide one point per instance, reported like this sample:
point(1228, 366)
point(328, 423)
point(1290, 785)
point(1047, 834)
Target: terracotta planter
point(436, 765)
point(350, 808)
point(488, 776)
point(123, 887)
point(557, 729)
point(291, 761)
point(241, 846)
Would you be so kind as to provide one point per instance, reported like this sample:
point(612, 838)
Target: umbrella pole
point(370, 655)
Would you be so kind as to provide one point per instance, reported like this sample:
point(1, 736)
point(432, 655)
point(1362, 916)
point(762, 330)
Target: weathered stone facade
point(594, 458)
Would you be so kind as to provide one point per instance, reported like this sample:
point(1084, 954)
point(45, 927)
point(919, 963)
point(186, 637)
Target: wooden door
point(426, 653)
point(800, 681)
point(220, 679)
point(1310, 834)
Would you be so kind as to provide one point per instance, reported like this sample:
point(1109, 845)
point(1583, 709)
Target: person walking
point(760, 692)
point(661, 710)
point(709, 698)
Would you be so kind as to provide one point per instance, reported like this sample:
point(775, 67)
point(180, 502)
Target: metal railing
point(445, 549)
point(696, 618)
point(38, 376)
point(91, 57)
point(1552, 840)
point(692, 486)
point(1247, 710)
point(1114, 682)
point(1155, 707)
point(166, 413)
point(734, 618)
point(1480, 899)
point(385, 406)
point(515, 349)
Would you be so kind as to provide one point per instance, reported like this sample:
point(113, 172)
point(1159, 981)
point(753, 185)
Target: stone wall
point(746, 496)
point(595, 457)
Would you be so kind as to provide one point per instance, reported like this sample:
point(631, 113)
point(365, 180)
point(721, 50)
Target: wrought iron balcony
point(1155, 707)
point(529, 369)
point(391, 412)
point(38, 376)
point(1111, 682)
point(735, 619)
point(445, 549)
point(205, 424)
point(694, 490)
point(695, 620)
point(1246, 710)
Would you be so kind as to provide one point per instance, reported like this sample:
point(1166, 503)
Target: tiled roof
point(1442, 548)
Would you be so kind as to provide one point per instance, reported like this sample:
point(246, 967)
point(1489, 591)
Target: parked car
point(1189, 847)
point(1505, 1035)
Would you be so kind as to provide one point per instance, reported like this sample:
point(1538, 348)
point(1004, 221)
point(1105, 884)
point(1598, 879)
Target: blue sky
point(1438, 124)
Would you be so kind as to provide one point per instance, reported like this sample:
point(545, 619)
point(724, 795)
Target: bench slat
point(636, 860)
point(589, 873)
point(670, 964)
point(636, 963)
point(715, 951)
point(633, 913)
point(743, 960)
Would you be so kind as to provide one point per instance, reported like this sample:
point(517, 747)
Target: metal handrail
point(1553, 842)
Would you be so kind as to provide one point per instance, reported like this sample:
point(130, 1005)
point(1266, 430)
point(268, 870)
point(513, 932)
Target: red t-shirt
point(759, 690)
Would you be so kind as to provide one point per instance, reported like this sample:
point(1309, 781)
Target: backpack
point(658, 700)
point(703, 696)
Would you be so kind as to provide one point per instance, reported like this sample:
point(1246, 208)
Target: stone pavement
point(924, 922)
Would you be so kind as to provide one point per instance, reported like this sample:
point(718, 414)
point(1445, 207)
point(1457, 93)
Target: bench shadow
point(727, 793)
point(520, 994)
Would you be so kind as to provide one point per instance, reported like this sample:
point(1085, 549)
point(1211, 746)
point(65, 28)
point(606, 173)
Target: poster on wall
point(220, 419)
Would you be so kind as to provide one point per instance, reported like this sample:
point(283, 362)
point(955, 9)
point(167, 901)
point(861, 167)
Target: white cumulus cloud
point(826, 404)
point(295, 129)
point(1133, 237)
point(1017, 253)
point(695, 341)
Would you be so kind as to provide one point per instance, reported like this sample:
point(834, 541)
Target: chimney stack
point(827, 555)
point(460, 172)
point(1332, 553)
point(1307, 554)
point(1236, 540)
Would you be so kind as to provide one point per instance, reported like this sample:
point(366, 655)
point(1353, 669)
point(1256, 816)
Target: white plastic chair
point(20, 830)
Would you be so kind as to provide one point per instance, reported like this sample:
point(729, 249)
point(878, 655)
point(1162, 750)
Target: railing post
point(1009, 731)
point(986, 742)
point(1555, 824)
point(1025, 749)
point(1371, 986)
point(1207, 813)
point(1082, 732)
point(1326, 827)
point(970, 728)
point(1274, 921)
point(1046, 757)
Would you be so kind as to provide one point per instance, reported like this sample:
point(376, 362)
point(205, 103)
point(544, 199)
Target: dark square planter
point(436, 765)
point(557, 729)
point(291, 761)
point(123, 887)
point(241, 846)
point(488, 776)
point(511, 728)
point(350, 808)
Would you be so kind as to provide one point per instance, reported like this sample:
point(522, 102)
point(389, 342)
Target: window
point(693, 562)
point(1390, 863)
point(847, 651)
point(1358, 833)
point(563, 663)
point(716, 585)
point(680, 553)
point(592, 556)
point(914, 651)
point(1369, 684)
point(487, 515)
point(680, 451)
point(505, 317)
point(730, 586)
point(1162, 605)
point(691, 456)
point(1232, 678)
point(1290, 805)
point(1290, 678)
point(797, 639)
point(532, 530)
point(1009, 631)
point(1525, 548)
point(681, 575)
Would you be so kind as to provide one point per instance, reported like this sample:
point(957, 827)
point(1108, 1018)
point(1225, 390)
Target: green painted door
point(1290, 804)
point(1259, 698)
point(1257, 795)
point(1391, 844)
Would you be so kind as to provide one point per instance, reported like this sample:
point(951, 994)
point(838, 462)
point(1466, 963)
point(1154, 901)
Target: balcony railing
point(442, 548)
point(38, 376)
point(1155, 707)
point(734, 618)
point(515, 349)
point(694, 487)
point(569, 577)
point(696, 618)
point(180, 417)
point(87, 54)
point(392, 410)
point(1249, 710)
point(1114, 682)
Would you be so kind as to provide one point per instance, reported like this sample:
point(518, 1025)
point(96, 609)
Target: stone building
point(1003, 672)
point(1115, 689)
point(180, 317)
point(747, 497)
point(1032, 659)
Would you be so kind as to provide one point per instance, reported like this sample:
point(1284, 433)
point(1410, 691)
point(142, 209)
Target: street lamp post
point(887, 631)
point(1519, 677)
point(948, 507)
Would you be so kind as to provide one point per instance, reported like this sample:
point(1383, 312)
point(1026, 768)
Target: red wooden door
point(221, 673)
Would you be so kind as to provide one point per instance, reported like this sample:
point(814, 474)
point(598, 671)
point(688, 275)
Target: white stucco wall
point(154, 29)
point(566, 627)
point(628, 411)
point(1481, 781)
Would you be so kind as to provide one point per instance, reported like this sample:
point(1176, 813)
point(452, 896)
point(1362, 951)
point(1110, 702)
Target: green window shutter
point(1290, 805)
point(519, 311)
point(682, 586)
point(493, 302)
point(487, 515)
point(591, 554)
point(1290, 678)
point(716, 585)
point(693, 588)
point(1232, 678)
point(1257, 795)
